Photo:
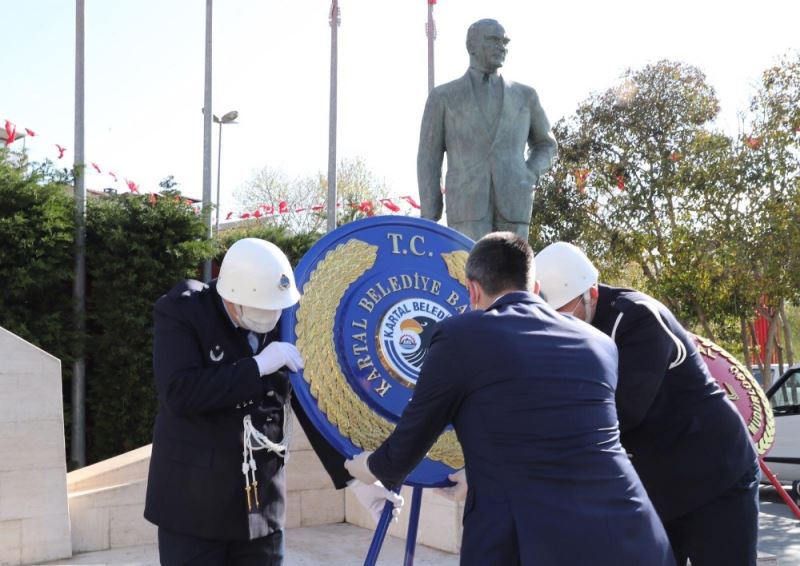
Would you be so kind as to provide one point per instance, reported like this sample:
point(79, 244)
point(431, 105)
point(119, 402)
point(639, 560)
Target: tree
point(770, 163)
point(640, 169)
point(299, 205)
point(138, 247)
point(37, 228)
point(168, 183)
point(650, 189)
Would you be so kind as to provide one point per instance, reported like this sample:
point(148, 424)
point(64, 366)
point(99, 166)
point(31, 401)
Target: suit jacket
point(207, 381)
point(686, 439)
point(480, 155)
point(530, 393)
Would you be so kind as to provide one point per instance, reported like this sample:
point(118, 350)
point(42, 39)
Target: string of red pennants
point(581, 174)
point(365, 206)
point(368, 207)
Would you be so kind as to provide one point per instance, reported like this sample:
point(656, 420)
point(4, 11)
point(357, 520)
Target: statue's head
point(486, 45)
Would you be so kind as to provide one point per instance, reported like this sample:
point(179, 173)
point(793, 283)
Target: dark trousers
point(176, 549)
point(723, 532)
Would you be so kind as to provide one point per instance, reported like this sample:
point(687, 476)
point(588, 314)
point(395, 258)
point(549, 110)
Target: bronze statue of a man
point(483, 122)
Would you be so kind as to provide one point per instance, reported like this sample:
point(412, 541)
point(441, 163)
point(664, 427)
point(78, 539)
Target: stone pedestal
point(106, 499)
point(34, 519)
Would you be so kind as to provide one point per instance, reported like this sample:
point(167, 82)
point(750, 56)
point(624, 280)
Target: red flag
point(11, 133)
point(390, 205)
point(132, 187)
point(113, 176)
point(228, 217)
point(245, 215)
point(621, 182)
point(752, 142)
point(96, 167)
point(283, 207)
point(317, 207)
point(61, 151)
point(410, 201)
point(30, 132)
point(367, 208)
point(268, 208)
point(151, 198)
point(580, 178)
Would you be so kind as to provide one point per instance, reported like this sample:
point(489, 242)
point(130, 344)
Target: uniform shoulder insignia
point(187, 288)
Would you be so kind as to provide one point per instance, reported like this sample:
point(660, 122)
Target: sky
point(271, 63)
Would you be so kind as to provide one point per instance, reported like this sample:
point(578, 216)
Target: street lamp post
point(229, 118)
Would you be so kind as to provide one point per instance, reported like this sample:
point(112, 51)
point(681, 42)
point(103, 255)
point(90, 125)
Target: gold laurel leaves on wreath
point(456, 265)
point(316, 316)
point(749, 383)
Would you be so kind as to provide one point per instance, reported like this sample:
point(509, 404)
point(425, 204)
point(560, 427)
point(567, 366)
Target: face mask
point(257, 320)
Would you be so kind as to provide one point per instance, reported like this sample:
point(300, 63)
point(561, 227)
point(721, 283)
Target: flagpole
point(78, 436)
point(207, 113)
point(430, 31)
point(334, 19)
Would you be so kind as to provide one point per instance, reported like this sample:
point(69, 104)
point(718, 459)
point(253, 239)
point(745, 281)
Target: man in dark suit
point(216, 487)
point(483, 122)
point(686, 440)
point(530, 394)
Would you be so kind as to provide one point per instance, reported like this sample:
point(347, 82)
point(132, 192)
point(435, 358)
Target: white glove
point(276, 355)
point(373, 496)
point(456, 492)
point(359, 469)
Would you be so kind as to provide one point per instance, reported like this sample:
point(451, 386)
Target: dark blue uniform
point(530, 393)
point(207, 381)
point(686, 440)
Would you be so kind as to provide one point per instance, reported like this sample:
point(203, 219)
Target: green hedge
point(137, 249)
point(36, 258)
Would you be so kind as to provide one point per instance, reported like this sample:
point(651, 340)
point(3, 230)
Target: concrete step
point(340, 544)
point(110, 517)
point(128, 467)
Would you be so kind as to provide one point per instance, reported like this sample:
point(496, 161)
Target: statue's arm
point(430, 156)
point(542, 146)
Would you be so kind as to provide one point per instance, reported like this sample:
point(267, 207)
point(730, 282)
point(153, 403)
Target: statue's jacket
point(486, 160)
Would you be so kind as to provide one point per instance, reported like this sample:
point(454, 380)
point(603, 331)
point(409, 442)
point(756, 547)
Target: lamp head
point(229, 117)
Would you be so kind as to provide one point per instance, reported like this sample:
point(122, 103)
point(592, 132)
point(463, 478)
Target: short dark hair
point(501, 261)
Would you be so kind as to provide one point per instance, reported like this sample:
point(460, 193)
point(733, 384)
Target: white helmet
point(256, 273)
point(564, 272)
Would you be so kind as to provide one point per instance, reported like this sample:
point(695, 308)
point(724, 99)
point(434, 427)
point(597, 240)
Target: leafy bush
point(36, 257)
point(138, 247)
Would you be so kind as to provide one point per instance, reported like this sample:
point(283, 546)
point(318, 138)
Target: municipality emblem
point(373, 293)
